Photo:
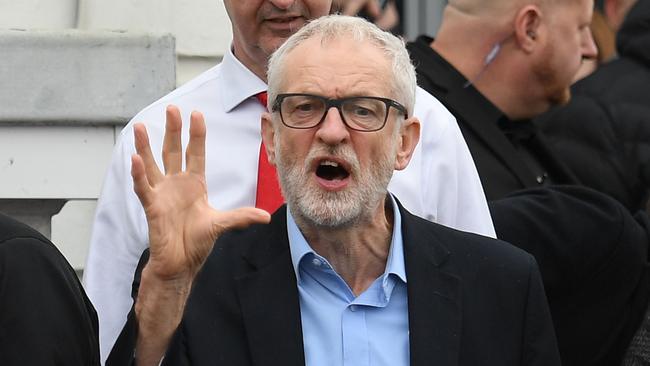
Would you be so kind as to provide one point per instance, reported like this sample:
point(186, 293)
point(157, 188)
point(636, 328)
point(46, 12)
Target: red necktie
point(268, 196)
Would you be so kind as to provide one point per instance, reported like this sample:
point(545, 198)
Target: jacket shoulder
point(461, 249)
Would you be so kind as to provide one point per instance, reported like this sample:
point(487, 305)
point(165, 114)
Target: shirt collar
point(299, 247)
point(241, 82)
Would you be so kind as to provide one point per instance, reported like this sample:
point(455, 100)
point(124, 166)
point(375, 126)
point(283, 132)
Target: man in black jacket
point(343, 274)
point(495, 65)
point(604, 132)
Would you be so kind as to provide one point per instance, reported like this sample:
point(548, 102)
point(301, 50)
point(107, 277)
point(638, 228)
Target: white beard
point(344, 208)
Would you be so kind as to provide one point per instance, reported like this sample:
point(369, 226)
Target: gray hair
point(337, 27)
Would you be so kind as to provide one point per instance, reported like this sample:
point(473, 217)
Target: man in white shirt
point(440, 184)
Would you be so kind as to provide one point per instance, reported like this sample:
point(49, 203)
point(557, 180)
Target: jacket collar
point(271, 308)
point(269, 298)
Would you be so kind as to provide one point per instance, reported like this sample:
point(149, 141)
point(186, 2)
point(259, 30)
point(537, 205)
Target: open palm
point(182, 224)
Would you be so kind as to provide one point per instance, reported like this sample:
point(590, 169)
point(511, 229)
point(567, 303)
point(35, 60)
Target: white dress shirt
point(440, 184)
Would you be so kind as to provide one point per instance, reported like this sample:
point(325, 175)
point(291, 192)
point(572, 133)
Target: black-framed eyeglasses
point(303, 111)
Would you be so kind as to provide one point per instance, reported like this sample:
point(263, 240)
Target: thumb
point(243, 217)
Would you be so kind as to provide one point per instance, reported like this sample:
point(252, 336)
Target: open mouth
point(331, 170)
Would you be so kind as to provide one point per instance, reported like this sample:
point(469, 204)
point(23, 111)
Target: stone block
point(80, 77)
point(62, 162)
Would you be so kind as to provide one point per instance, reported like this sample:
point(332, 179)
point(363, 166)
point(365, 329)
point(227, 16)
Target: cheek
point(370, 152)
point(295, 145)
point(574, 58)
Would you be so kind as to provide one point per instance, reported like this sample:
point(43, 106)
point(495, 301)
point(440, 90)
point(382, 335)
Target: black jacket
point(45, 316)
point(509, 155)
point(593, 254)
point(603, 134)
point(593, 257)
point(472, 301)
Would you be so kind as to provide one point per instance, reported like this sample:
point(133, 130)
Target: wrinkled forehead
point(341, 67)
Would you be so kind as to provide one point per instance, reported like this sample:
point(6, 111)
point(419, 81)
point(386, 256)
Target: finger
point(172, 149)
point(140, 183)
point(195, 154)
point(242, 217)
point(143, 148)
point(352, 7)
point(373, 9)
point(389, 18)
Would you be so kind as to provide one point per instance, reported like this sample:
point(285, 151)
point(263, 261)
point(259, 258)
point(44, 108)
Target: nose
point(332, 130)
point(282, 4)
point(589, 49)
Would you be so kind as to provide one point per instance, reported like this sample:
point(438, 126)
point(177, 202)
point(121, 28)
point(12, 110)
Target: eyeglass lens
point(301, 111)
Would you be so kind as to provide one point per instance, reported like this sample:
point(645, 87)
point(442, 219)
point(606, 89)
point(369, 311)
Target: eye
point(363, 108)
point(360, 111)
point(304, 107)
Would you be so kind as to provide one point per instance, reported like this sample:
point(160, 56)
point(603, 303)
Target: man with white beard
point(440, 184)
point(342, 274)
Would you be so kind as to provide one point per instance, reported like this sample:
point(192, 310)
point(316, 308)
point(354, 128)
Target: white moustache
point(341, 152)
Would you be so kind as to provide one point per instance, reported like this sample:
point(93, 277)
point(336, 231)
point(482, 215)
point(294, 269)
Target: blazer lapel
point(269, 300)
point(483, 121)
point(434, 299)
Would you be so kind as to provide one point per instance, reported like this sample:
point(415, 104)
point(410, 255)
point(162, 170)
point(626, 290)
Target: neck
point(466, 44)
point(357, 252)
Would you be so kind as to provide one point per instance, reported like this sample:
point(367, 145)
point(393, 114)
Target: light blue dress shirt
point(341, 329)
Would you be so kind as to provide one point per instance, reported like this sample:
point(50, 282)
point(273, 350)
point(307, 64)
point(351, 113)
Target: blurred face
point(331, 175)
point(261, 26)
point(569, 42)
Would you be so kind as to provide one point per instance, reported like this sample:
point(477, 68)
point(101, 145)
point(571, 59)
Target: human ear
point(268, 136)
point(528, 27)
point(408, 138)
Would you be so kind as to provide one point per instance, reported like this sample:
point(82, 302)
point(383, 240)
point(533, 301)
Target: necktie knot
point(263, 98)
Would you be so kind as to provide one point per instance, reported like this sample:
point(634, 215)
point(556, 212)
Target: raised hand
point(182, 229)
point(182, 225)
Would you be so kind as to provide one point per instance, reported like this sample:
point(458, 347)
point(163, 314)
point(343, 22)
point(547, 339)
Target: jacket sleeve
point(123, 352)
point(539, 344)
point(45, 316)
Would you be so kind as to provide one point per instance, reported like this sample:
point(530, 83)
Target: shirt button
point(353, 308)
point(316, 262)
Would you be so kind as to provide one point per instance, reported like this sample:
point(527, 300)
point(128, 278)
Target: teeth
point(329, 163)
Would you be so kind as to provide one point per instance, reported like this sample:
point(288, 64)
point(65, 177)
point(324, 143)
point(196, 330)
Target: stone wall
point(65, 95)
